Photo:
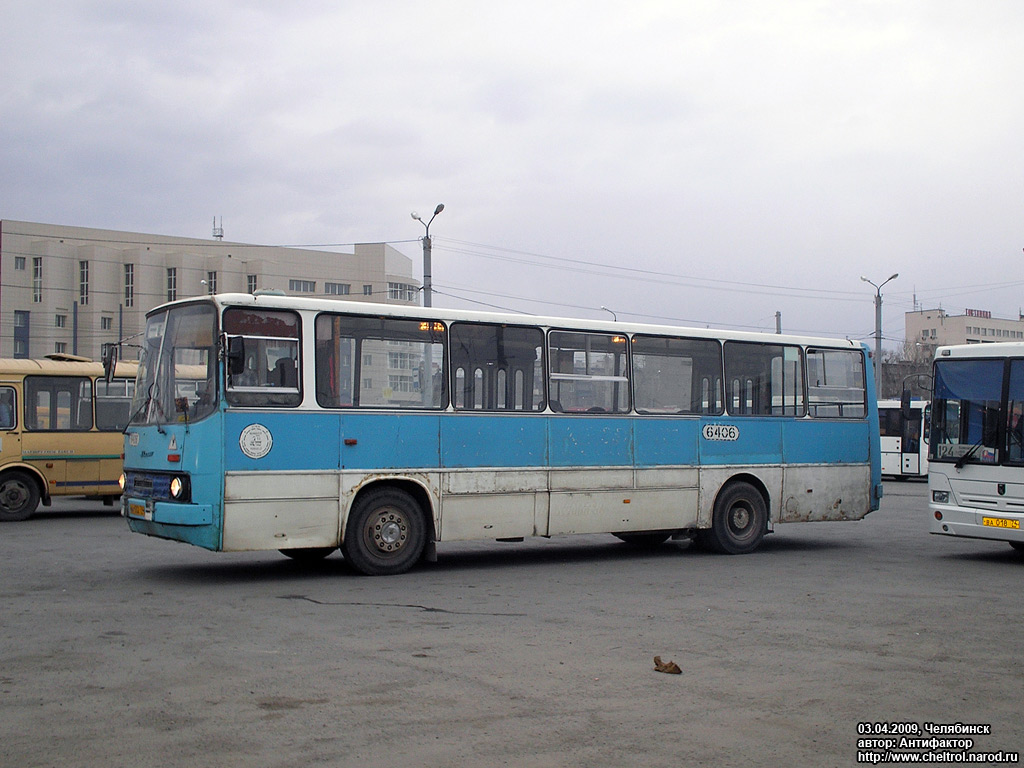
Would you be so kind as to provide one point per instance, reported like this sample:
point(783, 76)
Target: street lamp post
point(878, 329)
point(427, 282)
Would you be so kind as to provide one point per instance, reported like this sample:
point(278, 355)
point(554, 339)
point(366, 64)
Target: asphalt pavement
point(121, 650)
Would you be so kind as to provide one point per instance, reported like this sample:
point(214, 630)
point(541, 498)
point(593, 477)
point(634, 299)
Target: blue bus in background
point(267, 422)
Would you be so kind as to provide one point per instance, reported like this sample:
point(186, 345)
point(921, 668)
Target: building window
point(211, 283)
point(367, 290)
point(83, 283)
point(19, 262)
point(250, 283)
point(106, 323)
point(21, 333)
point(37, 279)
point(302, 286)
point(60, 321)
point(401, 292)
point(60, 347)
point(129, 285)
point(337, 289)
point(172, 283)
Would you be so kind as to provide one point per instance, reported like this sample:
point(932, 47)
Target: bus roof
point(997, 349)
point(510, 318)
point(10, 366)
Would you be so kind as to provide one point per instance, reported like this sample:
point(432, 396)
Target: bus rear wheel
point(19, 497)
point(739, 522)
point(386, 533)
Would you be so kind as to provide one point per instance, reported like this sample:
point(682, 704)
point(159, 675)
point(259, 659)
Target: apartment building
point(71, 289)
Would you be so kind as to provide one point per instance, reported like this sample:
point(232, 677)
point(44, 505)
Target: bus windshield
point(966, 412)
point(177, 372)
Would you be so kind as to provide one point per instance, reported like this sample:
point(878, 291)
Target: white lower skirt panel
point(280, 510)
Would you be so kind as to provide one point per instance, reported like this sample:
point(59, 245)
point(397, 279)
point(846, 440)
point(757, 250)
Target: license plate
point(999, 522)
point(140, 509)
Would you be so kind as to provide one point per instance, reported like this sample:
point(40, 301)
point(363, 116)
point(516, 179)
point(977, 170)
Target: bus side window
point(764, 379)
point(7, 408)
point(113, 404)
point(491, 362)
point(58, 404)
point(674, 375)
point(263, 357)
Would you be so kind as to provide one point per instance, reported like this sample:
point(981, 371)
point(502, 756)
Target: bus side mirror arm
point(905, 410)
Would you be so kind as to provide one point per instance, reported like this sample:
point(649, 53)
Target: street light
point(614, 316)
point(427, 283)
point(878, 328)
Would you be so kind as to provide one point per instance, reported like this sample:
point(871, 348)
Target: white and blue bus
point(267, 422)
point(976, 468)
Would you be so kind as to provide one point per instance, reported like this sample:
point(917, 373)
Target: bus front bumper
point(167, 512)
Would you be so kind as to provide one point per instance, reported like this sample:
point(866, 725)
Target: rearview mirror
point(109, 357)
point(236, 355)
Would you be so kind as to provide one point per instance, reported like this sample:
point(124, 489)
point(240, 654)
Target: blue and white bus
point(976, 468)
point(268, 422)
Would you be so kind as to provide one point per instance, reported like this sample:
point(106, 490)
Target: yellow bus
point(61, 425)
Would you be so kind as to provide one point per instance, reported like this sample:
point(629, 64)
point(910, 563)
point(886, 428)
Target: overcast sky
point(706, 163)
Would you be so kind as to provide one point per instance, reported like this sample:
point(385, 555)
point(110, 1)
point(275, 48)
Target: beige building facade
point(71, 289)
point(930, 328)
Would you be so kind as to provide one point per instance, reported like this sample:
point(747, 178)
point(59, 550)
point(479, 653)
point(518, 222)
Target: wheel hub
point(740, 518)
point(389, 532)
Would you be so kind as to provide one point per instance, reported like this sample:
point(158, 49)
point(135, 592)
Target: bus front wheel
point(739, 522)
point(19, 497)
point(386, 533)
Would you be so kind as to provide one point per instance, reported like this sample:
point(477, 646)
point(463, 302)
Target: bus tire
point(386, 533)
point(739, 522)
point(1017, 545)
point(307, 554)
point(19, 497)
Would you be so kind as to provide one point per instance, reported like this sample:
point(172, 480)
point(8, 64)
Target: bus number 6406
point(721, 432)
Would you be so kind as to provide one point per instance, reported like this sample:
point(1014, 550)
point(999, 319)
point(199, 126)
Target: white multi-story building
point(72, 289)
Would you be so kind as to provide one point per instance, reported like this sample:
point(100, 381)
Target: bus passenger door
point(10, 434)
point(56, 438)
point(910, 448)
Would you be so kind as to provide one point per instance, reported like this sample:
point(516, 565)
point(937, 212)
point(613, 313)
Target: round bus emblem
point(256, 441)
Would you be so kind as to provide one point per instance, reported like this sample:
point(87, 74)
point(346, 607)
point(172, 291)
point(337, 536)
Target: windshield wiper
point(967, 456)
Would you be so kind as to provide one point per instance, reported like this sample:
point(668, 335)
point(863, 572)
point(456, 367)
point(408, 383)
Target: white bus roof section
point(311, 304)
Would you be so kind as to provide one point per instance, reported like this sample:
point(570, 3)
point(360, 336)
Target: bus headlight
point(941, 497)
point(122, 481)
point(177, 487)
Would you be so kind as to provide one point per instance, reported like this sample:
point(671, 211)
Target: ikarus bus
point(268, 422)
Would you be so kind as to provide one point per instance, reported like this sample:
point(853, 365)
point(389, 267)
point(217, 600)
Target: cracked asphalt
point(116, 649)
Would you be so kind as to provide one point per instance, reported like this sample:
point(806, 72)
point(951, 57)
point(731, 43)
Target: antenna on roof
point(218, 232)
